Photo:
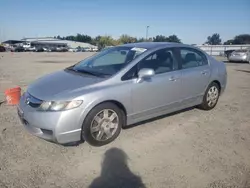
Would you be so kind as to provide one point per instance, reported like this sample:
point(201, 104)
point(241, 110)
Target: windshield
point(109, 61)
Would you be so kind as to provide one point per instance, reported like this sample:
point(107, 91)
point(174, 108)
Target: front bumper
point(60, 127)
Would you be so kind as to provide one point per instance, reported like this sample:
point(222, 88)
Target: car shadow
point(158, 118)
point(246, 71)
point(234, 62)
point(77, 143)
point(73, 144)
point(115, 172)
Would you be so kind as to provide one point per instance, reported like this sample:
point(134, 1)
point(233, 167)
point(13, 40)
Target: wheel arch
point(96, 103)
point(218, 83)
point(117, 103)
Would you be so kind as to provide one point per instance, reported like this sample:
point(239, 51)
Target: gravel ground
point(192, 148)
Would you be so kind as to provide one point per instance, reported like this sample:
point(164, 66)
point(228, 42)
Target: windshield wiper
point(84, 71)
point(87, 72)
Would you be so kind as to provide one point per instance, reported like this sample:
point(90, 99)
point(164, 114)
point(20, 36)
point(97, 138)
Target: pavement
point(191, 148)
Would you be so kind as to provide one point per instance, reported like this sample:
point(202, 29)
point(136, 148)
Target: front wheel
point(103, 124)
point(211, 97)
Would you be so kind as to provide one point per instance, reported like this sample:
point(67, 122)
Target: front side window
point(192, 58)
point(110, 61)
point(160, 61)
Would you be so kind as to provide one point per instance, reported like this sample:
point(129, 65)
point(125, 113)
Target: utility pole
point(147, 33)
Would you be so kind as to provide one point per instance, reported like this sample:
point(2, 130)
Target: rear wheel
point(211, 97)
point(103, 124)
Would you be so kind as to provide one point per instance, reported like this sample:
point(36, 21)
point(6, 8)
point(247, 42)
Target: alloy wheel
point(212, 96)
point(104, 125)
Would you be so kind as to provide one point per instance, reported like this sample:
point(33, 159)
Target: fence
point(219, 49)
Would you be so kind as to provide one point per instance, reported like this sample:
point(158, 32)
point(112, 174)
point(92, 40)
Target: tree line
point(238, 39)
point(102, 41)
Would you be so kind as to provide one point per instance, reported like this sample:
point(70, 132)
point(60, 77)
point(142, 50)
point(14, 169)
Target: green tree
point(214, 39)
point(160, 38)
point(141, 40)
point(96, 40)
point(124, 39)
point(239, 39)
point(173, 38)
point(106, 41)
point(71, 37)
point(242, 39)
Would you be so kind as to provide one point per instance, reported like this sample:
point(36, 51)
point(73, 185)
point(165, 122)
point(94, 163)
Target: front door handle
point(204, 72)
point(172, 78)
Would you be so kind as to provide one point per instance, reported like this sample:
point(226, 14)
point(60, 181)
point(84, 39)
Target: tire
point(99, 121)
point(213, 89)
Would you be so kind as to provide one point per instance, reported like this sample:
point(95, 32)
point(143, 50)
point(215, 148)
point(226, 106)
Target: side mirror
point(145, 74)
point(123, 52)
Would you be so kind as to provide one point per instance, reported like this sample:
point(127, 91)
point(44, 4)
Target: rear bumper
point(237, 58)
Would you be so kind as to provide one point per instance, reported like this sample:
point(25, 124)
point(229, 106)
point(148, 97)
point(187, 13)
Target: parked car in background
point(26, 45)
point(49, 49)
point(64, 49)
point(80, 50)
point(61, 49)
point(227, 53)
point(88, 49)
point(39, 49)
point(19, 49)
point(72, 50)
point(242, 55)
point(46, 49)
point(94, 49)
point(53, 49)
point(93, 99)
point(30, 49)
point(2, 49)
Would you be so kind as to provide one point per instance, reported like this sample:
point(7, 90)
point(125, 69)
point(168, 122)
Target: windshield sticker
point(139, 49)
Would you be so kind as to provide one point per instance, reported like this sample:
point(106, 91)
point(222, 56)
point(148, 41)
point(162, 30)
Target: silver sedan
point(242, 55)
point(93, 99)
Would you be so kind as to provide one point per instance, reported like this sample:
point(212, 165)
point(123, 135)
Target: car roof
point(152, 45)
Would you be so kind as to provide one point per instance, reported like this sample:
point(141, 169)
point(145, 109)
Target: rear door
point(195, 73)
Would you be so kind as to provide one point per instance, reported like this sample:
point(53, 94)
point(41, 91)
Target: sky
point(191, 20)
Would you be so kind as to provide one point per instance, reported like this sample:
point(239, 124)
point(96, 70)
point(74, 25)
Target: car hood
point(61, 84)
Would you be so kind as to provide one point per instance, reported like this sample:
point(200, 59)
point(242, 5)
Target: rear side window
point(192, 58)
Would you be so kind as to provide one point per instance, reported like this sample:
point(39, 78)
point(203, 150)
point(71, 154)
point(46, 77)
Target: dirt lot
point(189, 149)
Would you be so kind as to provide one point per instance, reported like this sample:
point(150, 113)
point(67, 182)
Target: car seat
point(164, 62)
point(189, 61)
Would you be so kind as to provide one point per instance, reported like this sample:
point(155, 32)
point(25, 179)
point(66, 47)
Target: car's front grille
point(32, 101)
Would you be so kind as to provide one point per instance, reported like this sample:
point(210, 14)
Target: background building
point(48, 42)
point(52, 42)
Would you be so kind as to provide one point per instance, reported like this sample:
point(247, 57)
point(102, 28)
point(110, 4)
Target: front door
point(162, 92)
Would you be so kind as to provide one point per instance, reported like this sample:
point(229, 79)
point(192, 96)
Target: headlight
point(59, 105)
